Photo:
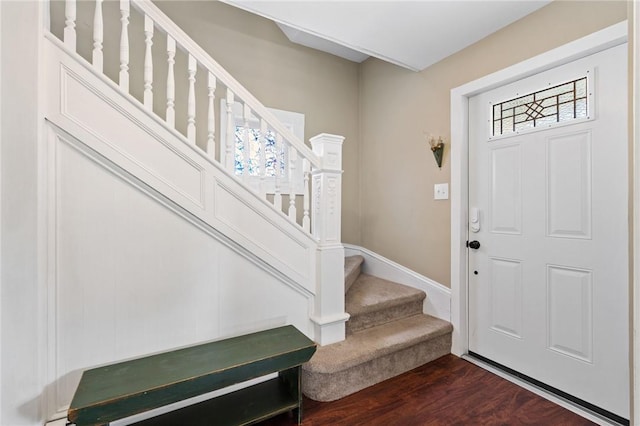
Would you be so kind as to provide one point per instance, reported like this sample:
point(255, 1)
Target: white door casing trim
point(601, 40)
point(635, 202)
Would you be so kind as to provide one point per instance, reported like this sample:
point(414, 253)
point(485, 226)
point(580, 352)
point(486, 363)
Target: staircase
point(214, 218)
point(387, 335)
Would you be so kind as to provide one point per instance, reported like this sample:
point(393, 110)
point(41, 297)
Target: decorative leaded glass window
point(558, 104)
point(277, 158)
point(272, 157)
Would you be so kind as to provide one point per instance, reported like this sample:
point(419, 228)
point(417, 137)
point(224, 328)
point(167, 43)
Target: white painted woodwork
point(124, 45)
point(70, 24)
point(23, 266)
point(293, 160)
point(306, 221)
point(277, 196)
point(634, 15)
point(329, 316)
point(147, 279)
point(211, 116)
point(98, 36)
point(550, 297)
point(231, 134)
point(95, 113)
point(162, 238)
point(326, 191)
point(438, 300)
point(224, 78)
point(171, 82)
point(148, 63)
point(191, 100)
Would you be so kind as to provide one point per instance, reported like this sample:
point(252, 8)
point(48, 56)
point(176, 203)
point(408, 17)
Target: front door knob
point(474, 244)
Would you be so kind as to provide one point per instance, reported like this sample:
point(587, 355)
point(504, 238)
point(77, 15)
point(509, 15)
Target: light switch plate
point(441, 191)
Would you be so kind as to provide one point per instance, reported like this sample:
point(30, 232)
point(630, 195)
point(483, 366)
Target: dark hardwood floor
point(448, 391)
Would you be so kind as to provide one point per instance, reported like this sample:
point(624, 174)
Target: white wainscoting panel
point(115, 125)
point(245, 222)
point(130, 275)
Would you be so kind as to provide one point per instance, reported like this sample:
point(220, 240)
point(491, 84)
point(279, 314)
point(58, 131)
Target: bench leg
point(293, 379)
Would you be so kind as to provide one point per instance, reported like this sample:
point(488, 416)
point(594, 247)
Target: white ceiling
point(411, 34)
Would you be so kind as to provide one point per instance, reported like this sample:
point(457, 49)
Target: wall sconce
point(437, 147)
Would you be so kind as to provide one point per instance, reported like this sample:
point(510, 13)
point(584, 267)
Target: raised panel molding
point(568, 188)
point(570, 311)
point(131, 273)
point(243, 220)
point(505, 215)
point(505, 300)
point(92, 110)
point(127, 135)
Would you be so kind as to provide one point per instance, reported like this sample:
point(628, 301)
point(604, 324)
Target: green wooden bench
point(120, 390)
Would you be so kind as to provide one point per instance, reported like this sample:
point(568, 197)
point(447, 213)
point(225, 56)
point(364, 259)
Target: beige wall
point(286, 76)
point(400, 219)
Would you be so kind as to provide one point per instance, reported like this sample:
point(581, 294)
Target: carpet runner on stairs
point(387, 335)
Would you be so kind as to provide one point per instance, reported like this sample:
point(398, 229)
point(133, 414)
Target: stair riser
point(333, 386)
point(352, 274)
point(371, 319)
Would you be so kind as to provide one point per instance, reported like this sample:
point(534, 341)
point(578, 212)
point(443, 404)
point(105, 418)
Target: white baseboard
point(438, 301)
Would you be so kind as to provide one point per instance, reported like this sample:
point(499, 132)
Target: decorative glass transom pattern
point(561, 103)
point(272, 157)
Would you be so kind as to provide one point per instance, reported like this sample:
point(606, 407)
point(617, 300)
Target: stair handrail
point(321, 166)
point(189, 46)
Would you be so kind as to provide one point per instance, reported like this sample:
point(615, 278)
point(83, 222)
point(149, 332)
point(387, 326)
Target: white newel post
point(329, 317)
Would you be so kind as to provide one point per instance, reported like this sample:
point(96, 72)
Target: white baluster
point(148, 63)
point(306, 221)
point(211, 121)
point(263, 158)
point(247, 142)
point(230, 152)
point(171, 82)
point(124, 45)
point(98, 36)
point(277, 197)
point(70, 24)
point(191, 100)
point(293, 156)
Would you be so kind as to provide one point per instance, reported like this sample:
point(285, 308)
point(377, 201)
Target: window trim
point(591, 107)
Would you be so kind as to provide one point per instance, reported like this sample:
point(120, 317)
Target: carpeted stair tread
point(352, 268)
point(376, 342)
point(370, 294)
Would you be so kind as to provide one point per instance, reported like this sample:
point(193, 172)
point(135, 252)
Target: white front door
point(549, 285)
